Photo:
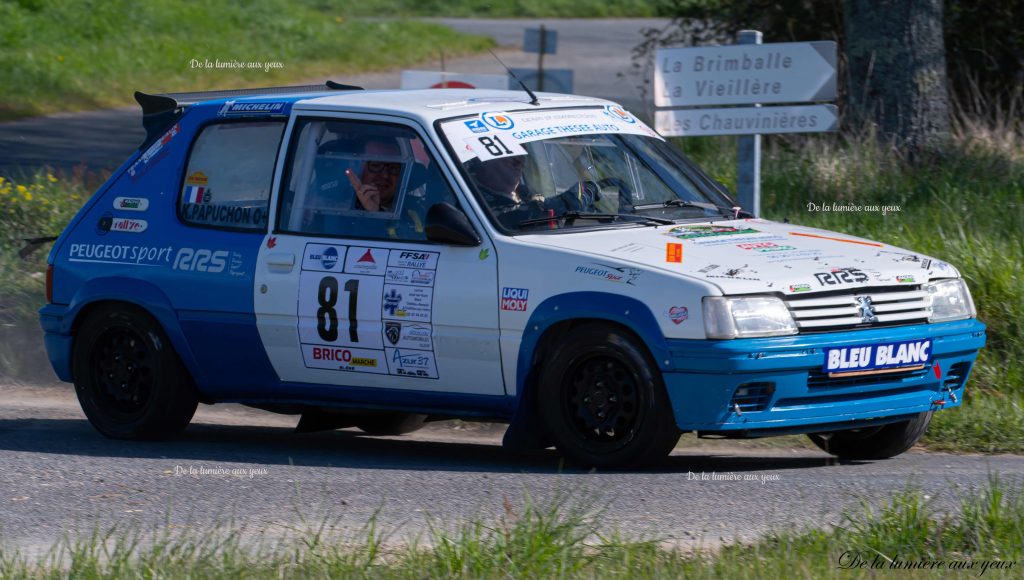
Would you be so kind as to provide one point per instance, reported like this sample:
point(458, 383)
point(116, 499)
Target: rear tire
point(130, 382)
point(603, 400)
point(874, 442)
point(391, 423)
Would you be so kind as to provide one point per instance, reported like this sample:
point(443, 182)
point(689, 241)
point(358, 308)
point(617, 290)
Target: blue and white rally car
point(382, 258)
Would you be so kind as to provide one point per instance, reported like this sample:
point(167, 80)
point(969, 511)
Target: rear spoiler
point(159, 110)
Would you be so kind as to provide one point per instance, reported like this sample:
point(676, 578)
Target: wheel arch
point(549, 322)
point(146, 296)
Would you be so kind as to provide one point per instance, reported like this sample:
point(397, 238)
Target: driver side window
point(359, 180)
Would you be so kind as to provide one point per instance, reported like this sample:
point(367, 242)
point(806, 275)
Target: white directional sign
point(745, 74)
point(746, 120)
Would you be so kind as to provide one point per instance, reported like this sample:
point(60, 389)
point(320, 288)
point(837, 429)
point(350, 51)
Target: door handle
point(280, 261)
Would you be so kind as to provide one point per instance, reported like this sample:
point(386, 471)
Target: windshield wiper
point(570, 216)
point(729, 212)
point(676, 203)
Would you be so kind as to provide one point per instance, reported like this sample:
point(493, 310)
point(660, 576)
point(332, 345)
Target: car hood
point(754, 255)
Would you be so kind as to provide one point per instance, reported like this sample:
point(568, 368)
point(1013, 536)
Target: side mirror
point(448, 225)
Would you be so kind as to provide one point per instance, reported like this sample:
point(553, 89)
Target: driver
point(375, 188)
point(500, 182)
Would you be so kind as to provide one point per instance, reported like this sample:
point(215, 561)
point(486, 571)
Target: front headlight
point(951, 300)
point(746, 317)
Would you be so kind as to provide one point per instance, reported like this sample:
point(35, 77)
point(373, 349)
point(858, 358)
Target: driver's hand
point(581, 196)
point(369, 195)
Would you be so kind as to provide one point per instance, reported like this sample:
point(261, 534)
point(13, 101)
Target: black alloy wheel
point(123, 372)
point(602, 400)
point(129, 380)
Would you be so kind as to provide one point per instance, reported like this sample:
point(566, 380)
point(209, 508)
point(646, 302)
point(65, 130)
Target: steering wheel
point(625, 192)
point(579, 197)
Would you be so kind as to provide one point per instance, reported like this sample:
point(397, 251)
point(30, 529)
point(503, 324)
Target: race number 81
point(327, 316)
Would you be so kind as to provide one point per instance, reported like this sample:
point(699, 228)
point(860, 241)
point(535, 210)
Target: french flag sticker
point(194, 194)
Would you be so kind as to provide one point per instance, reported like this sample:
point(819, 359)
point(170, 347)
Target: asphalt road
point(599, 51)
point(57, 474)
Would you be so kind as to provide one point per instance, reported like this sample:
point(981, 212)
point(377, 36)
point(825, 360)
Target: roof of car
point(423, 105)
point(429, 105)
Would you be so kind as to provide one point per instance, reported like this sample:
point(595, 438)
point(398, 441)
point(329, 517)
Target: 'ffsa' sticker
point(887, 355)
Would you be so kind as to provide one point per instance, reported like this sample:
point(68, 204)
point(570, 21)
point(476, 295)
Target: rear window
point(229, 173)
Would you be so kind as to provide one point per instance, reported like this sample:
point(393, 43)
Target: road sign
point(540, 40)
point(785, 72)
point(556, 80)
point(746, 120)
point(422, 79)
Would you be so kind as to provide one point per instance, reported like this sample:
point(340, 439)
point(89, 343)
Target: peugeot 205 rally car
point(382, 258)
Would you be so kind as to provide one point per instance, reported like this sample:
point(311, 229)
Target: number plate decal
point(880, 356)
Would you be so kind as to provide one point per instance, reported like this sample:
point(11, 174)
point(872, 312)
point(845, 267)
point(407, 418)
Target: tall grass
point(40, 205)
point(36, 206)
point(560, 538)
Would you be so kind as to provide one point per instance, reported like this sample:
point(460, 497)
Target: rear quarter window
point(228, 176)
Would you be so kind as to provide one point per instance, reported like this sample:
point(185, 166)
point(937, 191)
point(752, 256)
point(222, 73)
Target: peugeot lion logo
point(864, 308)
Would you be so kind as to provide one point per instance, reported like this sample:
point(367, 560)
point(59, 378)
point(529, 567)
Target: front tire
point(874, 442)
point(603, 400)
point(130, 382)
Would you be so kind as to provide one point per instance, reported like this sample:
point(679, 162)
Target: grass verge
point(67, 55)
point(909, 535)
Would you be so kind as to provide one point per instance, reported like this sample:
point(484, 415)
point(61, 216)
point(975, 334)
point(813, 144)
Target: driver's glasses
point(381, 167)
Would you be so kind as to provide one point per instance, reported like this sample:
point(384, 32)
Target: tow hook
point(952, 397)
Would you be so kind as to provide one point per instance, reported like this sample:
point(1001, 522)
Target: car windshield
point(580, 168)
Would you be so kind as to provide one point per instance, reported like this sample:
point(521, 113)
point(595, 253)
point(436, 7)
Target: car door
point(348, 290)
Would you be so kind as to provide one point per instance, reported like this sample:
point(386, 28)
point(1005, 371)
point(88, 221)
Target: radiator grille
point(865, 308)
point(821, 380)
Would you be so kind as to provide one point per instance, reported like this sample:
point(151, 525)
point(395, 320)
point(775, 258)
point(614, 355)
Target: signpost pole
point(540, 59)
point(748, 154)
point(444, 77)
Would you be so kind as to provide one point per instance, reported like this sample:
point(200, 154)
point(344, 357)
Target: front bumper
point(765, 386)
